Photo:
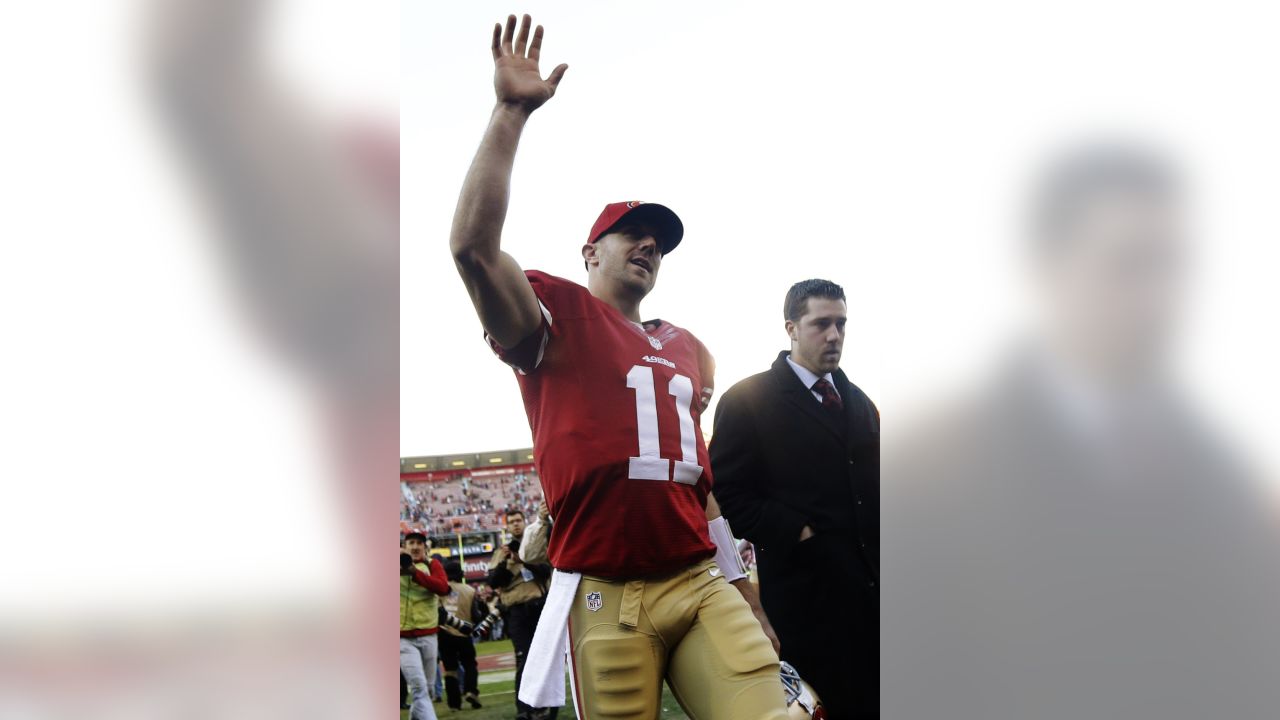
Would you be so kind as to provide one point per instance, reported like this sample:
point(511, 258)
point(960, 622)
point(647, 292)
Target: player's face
point(515, 523)
point(416, 549)
point(817, 339)
point(629, 256)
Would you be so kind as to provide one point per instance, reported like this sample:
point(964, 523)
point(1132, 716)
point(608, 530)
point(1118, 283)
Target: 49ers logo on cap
point(669, 229)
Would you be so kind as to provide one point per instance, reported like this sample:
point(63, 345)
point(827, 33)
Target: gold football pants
point(692, 628)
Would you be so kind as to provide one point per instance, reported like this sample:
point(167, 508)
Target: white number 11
point(651, 465)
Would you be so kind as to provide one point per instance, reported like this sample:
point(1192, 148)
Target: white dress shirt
point(808, 378)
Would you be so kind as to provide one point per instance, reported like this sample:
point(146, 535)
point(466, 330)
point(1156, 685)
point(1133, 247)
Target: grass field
point(497, 693)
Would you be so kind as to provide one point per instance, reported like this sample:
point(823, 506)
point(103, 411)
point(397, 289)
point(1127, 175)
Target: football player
point(643, 560)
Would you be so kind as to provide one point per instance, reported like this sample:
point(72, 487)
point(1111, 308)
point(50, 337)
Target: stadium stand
point(467, 499)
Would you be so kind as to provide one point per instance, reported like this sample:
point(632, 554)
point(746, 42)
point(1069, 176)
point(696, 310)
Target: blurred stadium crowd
point(466, 503)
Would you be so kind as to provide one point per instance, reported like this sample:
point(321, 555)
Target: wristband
point(727, 556)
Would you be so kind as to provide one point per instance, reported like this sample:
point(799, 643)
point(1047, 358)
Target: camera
point(406, 561)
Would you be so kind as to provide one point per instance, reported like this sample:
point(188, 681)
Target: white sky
point(641, 114)
point(886, 146)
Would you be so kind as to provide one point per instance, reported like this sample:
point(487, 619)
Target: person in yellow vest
point(456, 647)
point(422, 579)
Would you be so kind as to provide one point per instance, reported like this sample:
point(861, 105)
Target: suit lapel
point(857, 411)
point(794, 392)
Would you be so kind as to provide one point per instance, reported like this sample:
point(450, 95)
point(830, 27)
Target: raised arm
point(436, 581)
point(533, 546)
point(502, 296)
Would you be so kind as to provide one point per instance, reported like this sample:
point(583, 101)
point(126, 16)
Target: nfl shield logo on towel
point(594, 601)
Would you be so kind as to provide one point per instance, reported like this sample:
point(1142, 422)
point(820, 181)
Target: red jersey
point(615, 409)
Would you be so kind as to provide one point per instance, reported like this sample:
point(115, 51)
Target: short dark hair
point(453, 570)
point(515, 511)
point(799, 294)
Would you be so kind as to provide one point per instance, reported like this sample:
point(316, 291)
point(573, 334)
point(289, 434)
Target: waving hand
point(516, 78)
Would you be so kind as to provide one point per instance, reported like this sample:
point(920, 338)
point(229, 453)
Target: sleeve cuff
point(526, 356)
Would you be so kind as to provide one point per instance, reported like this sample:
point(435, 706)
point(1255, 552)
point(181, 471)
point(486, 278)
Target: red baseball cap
point(670, 229)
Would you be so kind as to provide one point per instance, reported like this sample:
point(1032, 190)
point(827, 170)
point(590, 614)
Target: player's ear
point(589, 256)
point(791, 331)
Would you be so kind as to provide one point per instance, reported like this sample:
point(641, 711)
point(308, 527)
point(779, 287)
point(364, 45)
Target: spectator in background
point(533, 547)
point(404, 692)
point(456, 647)
point(404, 685)
point(521, 590)
point(422, 579)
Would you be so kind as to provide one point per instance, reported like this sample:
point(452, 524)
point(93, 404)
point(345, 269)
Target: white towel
point(542, 684)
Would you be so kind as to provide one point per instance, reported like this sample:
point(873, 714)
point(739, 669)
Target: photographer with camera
point(456, 646)
point(521, 588)
point(422, 579)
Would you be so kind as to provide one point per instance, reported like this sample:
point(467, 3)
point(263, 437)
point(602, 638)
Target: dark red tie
point(830, 398)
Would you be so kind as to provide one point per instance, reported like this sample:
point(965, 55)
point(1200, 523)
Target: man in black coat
point(796, 460)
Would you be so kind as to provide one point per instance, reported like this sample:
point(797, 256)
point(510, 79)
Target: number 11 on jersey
point(650, 465)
